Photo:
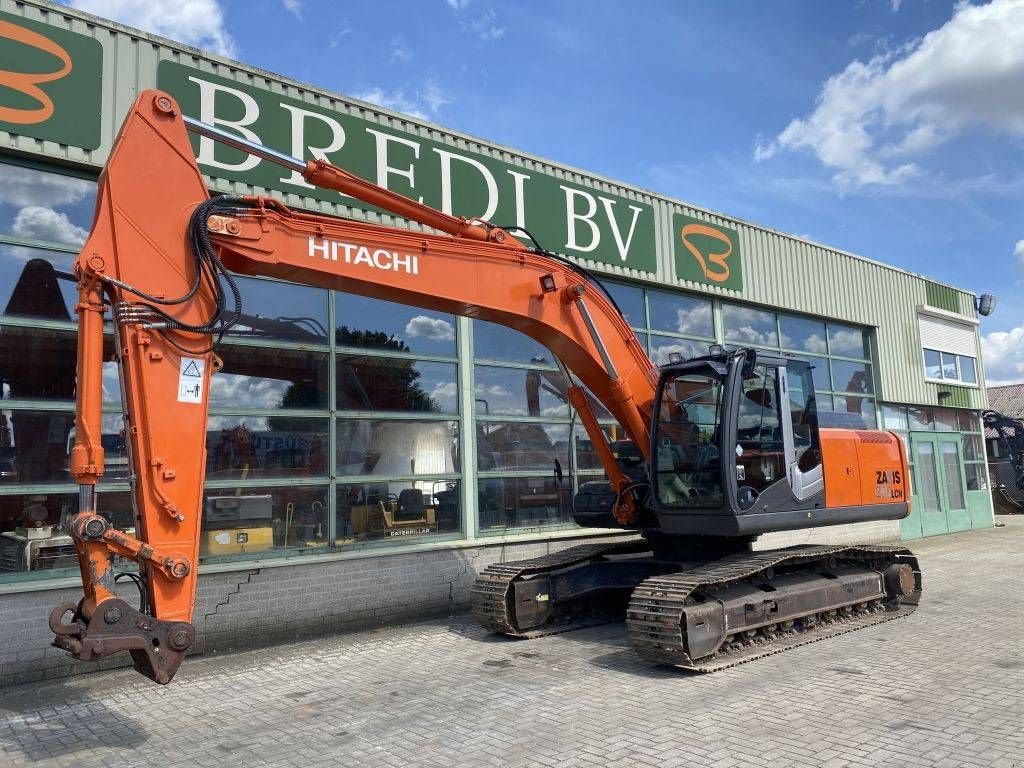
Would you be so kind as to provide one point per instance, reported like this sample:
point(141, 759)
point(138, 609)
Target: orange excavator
point(721, 448)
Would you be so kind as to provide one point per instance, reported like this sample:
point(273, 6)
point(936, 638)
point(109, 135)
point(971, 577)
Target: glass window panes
point(366, 383)
point(37, 283)
point(272, 309)
point(385, 325)
point(803, 334)
point(518, 446)
point(851, 377)
point(252, 522)
point(37, 364)
point(664, 346)
point(949, 370)
point(968, 370)
point(864, 406)
point(40, 514)
point(945, 420)
point(972, 448)
point(251, 447)
point(397, 510)
point(748, 326)
point(496, 342)
point(894, 417)
point(509, 503)
point(263, 377)
point(34, 446)
point(847, 341)
point(630, 301)
point(819, 371)
point(587, 458)
point(678, 313)
point(921, 419)
point(397, 447)
point(519, 392)
point(968, 421)
point(44, 206)
point(932, 364)
point(975, 476)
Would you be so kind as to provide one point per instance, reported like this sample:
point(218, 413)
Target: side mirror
point(559, 475)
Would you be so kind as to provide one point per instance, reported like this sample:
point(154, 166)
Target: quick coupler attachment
point(157, 647)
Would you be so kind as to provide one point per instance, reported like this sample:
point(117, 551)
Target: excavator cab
point(737, 450)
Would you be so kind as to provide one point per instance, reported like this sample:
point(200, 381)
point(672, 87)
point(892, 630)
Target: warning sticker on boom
point(190, 380)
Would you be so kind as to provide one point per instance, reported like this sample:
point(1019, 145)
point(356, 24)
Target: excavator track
point(661, 631)
point(493, 597)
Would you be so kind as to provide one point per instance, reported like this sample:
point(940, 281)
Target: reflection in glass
point(272, 309)
point(385, 447)
point(803, 334)
point(932, 364)
point(512, 503)
point(851, 377)
point(45, 206)
point(967, 421)
point(864, 406)
point(975, 476)
point(37, 283)
point(255, 377)
point(945, 420)
point(921, 419)
point(518, 446)
point(497, 342)
point(630, 301)
point(518, 392)
point(663, 346)
point(819, 371)
point(377, 324)
point(249, 447)
point(847, 340)
point(397, 510)
point(251, 521)
point(37, 364)
point(926, 471)
point(678, 313)
point(390, 384)
point(894, 417)
point(34, 446)
point(968, 370)
point(972, 448)
point(949, 370)
point(951, 470)
point(747, 326)
point(586, 456)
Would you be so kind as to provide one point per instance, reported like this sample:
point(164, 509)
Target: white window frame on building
point(947, 342)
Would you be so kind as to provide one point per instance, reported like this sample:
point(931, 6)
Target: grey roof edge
point(54, 7)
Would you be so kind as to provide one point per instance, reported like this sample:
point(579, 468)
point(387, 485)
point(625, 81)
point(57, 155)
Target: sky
point(892, 129)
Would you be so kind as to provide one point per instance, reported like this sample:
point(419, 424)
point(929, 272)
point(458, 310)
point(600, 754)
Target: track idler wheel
point(899, 580)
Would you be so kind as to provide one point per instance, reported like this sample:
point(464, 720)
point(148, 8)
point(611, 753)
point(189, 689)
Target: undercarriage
point(698, 615)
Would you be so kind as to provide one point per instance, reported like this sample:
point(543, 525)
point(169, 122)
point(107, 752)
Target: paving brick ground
point(941, 688)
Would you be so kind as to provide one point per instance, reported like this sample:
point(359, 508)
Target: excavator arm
point(155, 266)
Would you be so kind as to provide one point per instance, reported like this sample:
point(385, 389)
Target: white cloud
point(1003, 353)
point(457, 5)
point(344, 28)
point(23, 186)
point(400, 50)
point(1018, 254)
point(39, 223)
point(872, 118)
point(195, 22)
point(432, 328)
point(486, 26)
point(424, 103)
point(895, 5)
point(293, 7)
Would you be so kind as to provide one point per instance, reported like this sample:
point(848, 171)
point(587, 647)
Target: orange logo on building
point(713, 264)
point(28, 83)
